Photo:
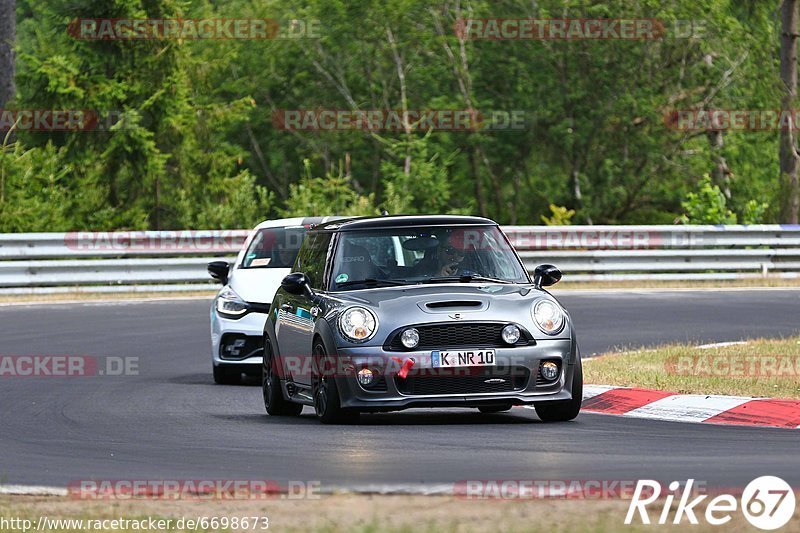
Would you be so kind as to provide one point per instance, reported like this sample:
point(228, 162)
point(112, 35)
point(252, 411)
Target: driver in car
point(444, 256)
point(450, 259)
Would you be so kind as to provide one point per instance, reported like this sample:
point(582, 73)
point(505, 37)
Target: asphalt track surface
point(172, 422)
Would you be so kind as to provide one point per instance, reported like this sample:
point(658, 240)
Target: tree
point(707, 206)
point(330, 195)
point(8, 30)
point(788, 149)
point(197, 143)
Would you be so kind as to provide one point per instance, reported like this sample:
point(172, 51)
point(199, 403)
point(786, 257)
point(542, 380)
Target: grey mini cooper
point(393, 312)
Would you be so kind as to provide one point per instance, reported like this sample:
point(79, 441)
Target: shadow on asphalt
point(445, 418)
point(407, 418)
point(192, 379)
point(206, 379)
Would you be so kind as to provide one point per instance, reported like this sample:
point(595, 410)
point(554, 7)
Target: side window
point(311, 259)
point(381, 249)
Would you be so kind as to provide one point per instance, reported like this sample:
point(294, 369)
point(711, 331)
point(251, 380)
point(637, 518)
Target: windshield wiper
point(465, 279)
point(373, 281)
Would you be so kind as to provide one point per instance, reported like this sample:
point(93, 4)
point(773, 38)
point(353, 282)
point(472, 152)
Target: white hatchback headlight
point(548, 317)
point(230, 305)
point(357, 324)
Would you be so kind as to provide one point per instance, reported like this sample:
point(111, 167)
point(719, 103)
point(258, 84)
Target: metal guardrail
point(118, 261)
point(120, 244)
point(662, 252)
point(176, 260)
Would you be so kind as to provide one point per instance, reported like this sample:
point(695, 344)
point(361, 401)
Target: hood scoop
point(448, 306)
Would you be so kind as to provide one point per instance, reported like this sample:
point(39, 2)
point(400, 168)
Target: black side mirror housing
point(219, 271)
point(546, 275)
point(297, 283)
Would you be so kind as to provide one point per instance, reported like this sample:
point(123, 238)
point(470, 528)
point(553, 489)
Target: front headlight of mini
point(230, 305)
point(357, 324)
point(548, 317)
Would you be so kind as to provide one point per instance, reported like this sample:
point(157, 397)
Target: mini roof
point(401, 221)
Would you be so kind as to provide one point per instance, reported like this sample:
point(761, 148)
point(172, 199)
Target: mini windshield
point(399, 256)
point(274, 247)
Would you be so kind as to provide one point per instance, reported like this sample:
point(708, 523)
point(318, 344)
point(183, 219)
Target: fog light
point(410, 338)
point(510, 334)
point(549, 370)
point(365, 377)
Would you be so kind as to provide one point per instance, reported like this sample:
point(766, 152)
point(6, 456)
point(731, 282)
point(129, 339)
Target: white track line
point(720, 345)
point(590, 391)
point(32, 490)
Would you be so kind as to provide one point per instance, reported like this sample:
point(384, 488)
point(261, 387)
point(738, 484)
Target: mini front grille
point(468, 380)
point(464, 335)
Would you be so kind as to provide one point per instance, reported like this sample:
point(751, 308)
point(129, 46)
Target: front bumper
point(248, 330)
point(397, 393)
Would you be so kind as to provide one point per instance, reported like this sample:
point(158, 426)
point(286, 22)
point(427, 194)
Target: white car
point(240, 309)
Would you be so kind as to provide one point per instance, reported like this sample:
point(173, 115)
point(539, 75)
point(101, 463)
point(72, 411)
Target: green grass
point(762, 367)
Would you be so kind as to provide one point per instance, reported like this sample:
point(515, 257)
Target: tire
point(489, 409)
point(563, 411)
point(274, 402)
point(227, 375)
point(327, 403)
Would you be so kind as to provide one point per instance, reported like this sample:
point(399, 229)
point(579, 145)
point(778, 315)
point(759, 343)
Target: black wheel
point(227, 375)
point(274, 402)
point(327, 404)
point(564, 410)
point(488, 409)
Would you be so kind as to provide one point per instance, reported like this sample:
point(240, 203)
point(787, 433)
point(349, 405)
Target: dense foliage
point(187, 137)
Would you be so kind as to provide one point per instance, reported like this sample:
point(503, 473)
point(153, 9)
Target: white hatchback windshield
point(274, 247)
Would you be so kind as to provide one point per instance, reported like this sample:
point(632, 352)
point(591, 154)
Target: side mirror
point(546, 275)
point(219, 271)
point(296, 283)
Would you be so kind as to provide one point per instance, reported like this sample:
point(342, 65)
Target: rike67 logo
point(767, 502)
